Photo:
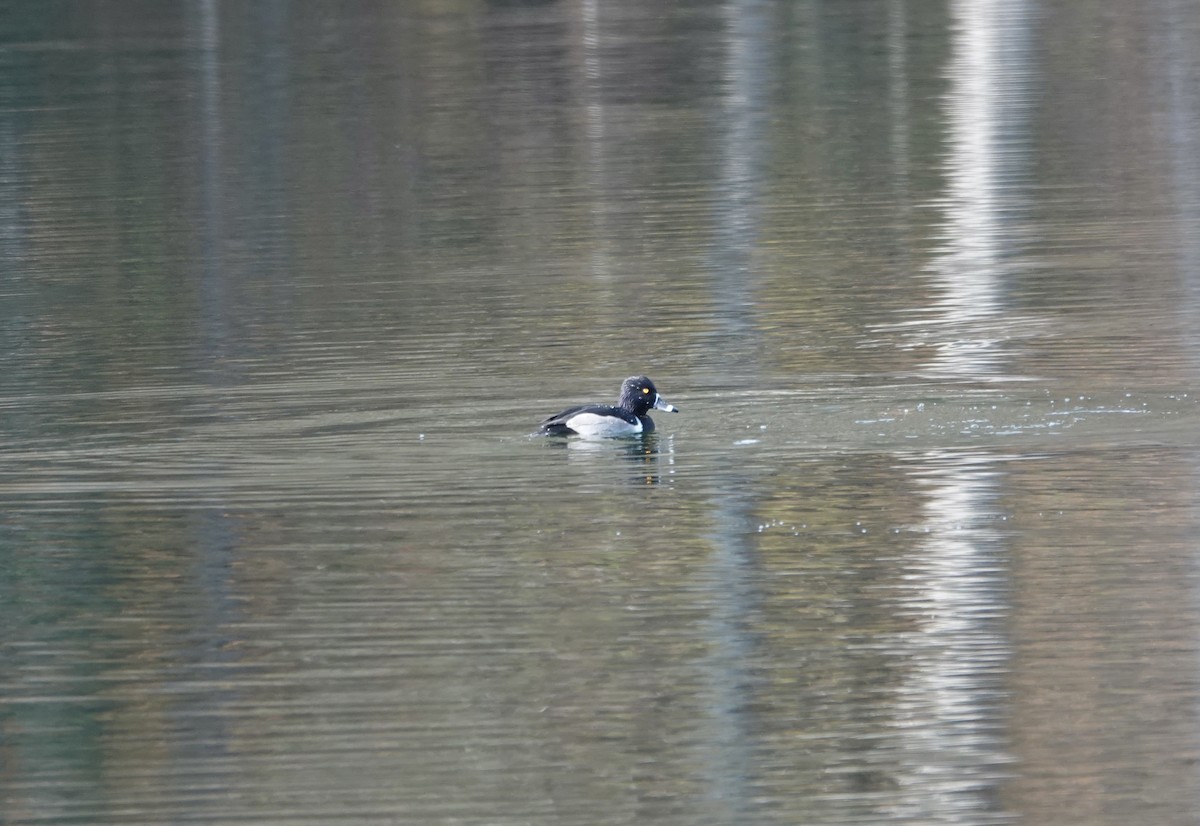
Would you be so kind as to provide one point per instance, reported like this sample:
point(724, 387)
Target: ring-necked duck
point(628, 418)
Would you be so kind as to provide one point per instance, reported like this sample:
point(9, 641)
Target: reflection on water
point(284, 294)
point(645, 459)
point(950, 709)
point(991, 79)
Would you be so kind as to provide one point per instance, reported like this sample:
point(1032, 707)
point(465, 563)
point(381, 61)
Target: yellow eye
point(645, 391)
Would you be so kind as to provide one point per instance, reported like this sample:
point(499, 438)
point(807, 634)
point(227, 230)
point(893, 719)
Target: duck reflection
point(647, 459)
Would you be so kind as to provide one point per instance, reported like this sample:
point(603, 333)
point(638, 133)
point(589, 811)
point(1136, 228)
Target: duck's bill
point(662, 404)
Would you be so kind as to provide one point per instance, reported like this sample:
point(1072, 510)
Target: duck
point(627, 418)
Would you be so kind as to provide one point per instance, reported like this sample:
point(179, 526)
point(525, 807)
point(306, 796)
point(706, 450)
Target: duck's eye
point(645, 391)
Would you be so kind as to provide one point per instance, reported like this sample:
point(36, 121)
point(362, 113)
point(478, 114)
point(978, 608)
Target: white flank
point(589, 424)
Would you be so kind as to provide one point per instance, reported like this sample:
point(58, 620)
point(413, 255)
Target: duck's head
point(639, 395)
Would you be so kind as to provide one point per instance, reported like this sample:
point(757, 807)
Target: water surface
point(283, 295)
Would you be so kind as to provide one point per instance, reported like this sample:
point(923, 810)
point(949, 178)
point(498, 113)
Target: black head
point(639, 395)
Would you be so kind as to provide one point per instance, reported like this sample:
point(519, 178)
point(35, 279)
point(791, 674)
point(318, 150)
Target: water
point(284, 293)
